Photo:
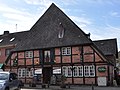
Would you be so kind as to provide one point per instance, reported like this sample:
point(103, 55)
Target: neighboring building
point(118, 63)
point(56, 43)
point(8, 41)
point(118, 68)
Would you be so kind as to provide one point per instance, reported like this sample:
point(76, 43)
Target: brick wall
point(88, 56)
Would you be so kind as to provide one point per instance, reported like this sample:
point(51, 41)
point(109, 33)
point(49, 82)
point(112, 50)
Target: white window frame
point(80, 71)
point(69, 71)
point(66, 70)
point(89, 71)
point(66, 51)
point(75, 71)
point(29, 54)
point(92, 71)
point(24, 72)
point(86, 71)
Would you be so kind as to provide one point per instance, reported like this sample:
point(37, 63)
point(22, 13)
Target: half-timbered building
point(55, 45)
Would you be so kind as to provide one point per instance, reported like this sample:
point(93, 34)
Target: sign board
point(38, 71)
point(102, 81)
point(55, 71)
point(101, 69)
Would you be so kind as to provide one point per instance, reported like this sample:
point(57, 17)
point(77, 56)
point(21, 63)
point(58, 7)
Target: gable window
point(61, 31)
point(66, 51)
point(28, 54)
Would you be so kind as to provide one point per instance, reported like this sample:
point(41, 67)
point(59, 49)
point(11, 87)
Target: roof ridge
point(105, 39)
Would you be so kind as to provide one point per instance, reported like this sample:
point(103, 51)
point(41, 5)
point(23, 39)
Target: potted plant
point(63, 79)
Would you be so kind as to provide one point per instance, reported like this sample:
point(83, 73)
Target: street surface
point(71, 88)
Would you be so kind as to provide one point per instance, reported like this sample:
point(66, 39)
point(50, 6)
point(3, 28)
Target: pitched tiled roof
point(45, 32)
point(12, 38)
point(108, 46)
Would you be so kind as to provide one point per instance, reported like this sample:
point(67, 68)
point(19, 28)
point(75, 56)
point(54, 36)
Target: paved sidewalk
point(75, 87)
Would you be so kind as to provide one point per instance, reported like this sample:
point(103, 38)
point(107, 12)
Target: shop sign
point(101, 69)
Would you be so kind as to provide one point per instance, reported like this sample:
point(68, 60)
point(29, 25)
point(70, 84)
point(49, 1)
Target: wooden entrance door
point(47, 72)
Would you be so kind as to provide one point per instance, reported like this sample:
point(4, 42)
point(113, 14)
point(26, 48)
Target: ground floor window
point(25, 72)
point(77, 71)
point(89, 71)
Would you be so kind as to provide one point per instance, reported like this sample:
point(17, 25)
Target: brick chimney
point(88, 35)
point(6, 32)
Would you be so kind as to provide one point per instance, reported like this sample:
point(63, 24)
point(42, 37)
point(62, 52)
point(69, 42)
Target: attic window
point(12, 39)
point(1, 40)
point(61, 31)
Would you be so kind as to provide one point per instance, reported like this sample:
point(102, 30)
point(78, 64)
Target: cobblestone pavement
point(38, 87)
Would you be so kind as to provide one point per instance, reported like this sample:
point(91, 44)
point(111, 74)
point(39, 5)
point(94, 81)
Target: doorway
point(47, 73)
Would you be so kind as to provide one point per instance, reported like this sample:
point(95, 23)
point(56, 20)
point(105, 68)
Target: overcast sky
point(99, 17)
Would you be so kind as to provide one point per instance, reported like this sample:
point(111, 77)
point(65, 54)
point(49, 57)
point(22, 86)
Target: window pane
point(75, 71)
point(64, 71)
point(23, 73)
point(69, 72)
point(46, 56)
point(92, 71)
point(63, 51)
point(19, 73)
point(66, 51)
point(80, 71)
point(28, 54)
point(86, 71)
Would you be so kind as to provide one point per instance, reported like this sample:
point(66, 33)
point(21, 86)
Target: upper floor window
point(47, 56)
point(7, 52)
point(66, 51)
point(28, 54)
